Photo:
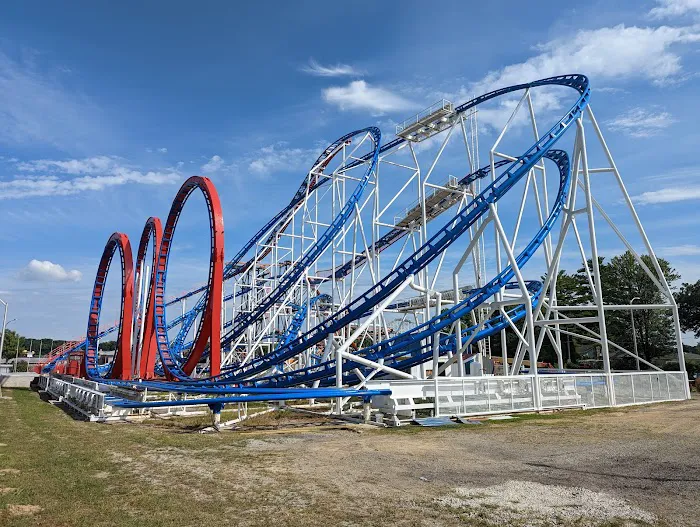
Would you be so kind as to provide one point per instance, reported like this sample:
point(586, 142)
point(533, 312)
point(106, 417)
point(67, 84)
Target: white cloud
point(94, 173)
point(680, 250)
point(672, 8)
point(279, 157)
point(358, 95)
point(163, 150)
point(639, 122)
point(609, 54)
point(613, 53)
point(36, 107)
point(46, 271)
point(339, 70)
point(668, 195)
point(89, 165)
point(213, 165)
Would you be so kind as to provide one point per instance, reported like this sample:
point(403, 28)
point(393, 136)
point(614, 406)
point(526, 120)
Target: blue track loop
point(441, 240)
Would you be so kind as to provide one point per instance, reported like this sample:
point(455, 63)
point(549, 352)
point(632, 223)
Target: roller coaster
point(352, 290)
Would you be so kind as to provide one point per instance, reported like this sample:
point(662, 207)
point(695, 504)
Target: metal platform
point(439, 200)
point(434, 119)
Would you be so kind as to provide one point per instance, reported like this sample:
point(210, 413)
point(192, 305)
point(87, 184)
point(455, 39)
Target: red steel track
point(152, 230)
point(210, 326)
point(121, 364)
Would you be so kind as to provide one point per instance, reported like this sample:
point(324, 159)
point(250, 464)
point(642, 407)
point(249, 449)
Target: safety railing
point(442, 106)
point(649, 387)
point(485, 395)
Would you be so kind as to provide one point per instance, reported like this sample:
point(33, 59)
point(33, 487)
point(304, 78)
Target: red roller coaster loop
point(152, 230)
point(210, 325)
point(120, 367)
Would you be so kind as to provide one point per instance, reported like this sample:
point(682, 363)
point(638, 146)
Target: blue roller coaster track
point(408, 348)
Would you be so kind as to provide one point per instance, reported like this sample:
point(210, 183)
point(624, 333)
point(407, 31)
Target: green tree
point(688, 300)
point(11, 341)
point(622, 280)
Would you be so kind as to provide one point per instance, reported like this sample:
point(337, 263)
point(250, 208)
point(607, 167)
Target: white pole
point(598, 289)
point(634, 333)
point(4, 325)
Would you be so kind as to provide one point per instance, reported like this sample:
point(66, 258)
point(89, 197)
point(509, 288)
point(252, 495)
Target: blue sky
point(106, 108)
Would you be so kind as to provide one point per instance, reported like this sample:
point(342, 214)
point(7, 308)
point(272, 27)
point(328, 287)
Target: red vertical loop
point(152, 230)
point(210, 326)
point(120, 367)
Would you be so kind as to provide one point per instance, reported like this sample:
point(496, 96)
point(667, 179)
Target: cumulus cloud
point(614, 53)
point(280, 157)
point(46, 271)
point(610, 54)
point(46, 177)
point(668, 195)
point(674, 8)
point(639, 122)
point(339, 70)
point(163, 150)
point(213, 165)
point(359, 95)
point(89, 165)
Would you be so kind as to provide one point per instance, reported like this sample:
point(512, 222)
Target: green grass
point(161, 473)
point(91, 474)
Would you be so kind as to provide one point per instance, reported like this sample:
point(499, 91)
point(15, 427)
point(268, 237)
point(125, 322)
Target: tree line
point(624, 281)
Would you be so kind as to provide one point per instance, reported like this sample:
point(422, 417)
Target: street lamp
point(634, 333)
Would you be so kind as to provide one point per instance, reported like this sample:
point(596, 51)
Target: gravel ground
point(632, 466)
point(535, 504)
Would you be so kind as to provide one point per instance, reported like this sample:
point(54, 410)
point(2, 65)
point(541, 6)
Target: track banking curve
point(443, 238)
point(312, 254)
point(415, 346)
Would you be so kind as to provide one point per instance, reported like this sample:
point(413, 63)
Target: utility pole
point(2, 337)
point(634, 333)
point(4, 325)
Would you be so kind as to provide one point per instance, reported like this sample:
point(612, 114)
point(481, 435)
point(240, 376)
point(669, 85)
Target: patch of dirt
point(643, 457)
point(23, 510)
point(101, 475)
point(6, 490)
point(12, 471)
point(514, 502)
point(190, 471)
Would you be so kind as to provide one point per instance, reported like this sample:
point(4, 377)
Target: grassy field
point(57, 471)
